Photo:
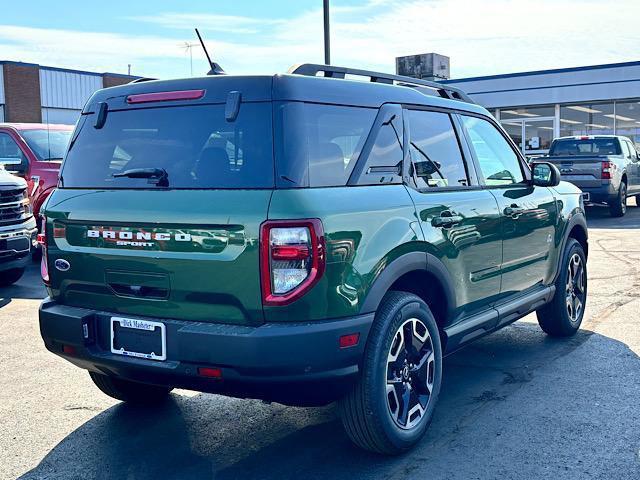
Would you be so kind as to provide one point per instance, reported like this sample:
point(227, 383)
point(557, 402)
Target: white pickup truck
point(17, 228)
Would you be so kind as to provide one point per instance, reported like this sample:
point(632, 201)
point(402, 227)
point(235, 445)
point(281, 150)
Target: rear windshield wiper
point(156, 176)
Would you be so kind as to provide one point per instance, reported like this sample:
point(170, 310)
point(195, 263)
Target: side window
point(626, 153)
point(498, 162)
point(11, 156)
point(631, 149)
point(435, 153)
point(383, 150)
point(318, 145)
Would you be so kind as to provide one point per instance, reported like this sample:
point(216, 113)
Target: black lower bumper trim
point(293, 363)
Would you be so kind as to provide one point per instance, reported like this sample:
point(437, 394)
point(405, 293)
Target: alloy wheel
point(575, 288)
point(410, 373)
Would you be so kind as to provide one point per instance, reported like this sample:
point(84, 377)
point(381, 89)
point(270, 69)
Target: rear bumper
point(600, 194)
point(297, 363)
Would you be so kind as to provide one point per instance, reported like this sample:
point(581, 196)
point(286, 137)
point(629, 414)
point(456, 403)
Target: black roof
point(283, 87)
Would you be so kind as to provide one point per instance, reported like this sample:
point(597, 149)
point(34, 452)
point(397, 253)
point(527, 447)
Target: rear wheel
point(618, 206)
point(9, 277)
point(391, 406)
point(131, 392)
point(563, 316)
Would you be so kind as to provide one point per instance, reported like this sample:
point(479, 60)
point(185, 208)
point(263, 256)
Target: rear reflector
point(210, 372)
point(350, 340)
point(165, 96)
point(69, 350)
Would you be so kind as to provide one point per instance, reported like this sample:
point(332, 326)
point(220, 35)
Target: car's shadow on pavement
point(515, 383)
point(598, 217)
point(30, 286)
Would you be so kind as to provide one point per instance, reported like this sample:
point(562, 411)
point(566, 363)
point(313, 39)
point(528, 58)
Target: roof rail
point(142, 79)
point(445, 91)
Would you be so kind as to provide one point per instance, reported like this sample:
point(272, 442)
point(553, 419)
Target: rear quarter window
point(319, 144)
point(196, 146)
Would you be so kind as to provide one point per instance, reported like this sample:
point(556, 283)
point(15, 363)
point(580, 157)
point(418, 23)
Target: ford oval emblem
point(62, 265)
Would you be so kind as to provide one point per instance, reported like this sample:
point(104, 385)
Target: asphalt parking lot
point(516, 404)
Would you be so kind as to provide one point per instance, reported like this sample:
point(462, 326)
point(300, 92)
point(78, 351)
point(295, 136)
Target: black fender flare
point(409, 262)
point(576, 220)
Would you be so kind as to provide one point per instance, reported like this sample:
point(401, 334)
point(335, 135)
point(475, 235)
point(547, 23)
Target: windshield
point(174, 147)
point(589, 146)
point(47, 144)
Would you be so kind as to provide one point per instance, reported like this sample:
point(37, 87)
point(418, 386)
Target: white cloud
point(492, 36)
point(211, 22)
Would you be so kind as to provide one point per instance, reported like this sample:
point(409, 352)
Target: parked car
point(17, 228)
point(34, 151)
point(605, 167)
point(303, 240)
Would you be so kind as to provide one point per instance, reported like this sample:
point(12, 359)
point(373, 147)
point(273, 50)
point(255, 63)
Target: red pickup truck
point(34, 151)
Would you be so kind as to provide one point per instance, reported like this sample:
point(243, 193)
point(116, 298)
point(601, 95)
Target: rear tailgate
point(582, 171)
point(159, 253)
point(163, 190)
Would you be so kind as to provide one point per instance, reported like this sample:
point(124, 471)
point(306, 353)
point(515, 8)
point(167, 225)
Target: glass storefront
point(628, 120)
point(587, 119)
point(533, 128)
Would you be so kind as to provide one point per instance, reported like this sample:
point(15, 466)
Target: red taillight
point(350, 340)
point(607, 167)
point(292, 259)
point(165, 96)
point(42, 241)
point(210, 372)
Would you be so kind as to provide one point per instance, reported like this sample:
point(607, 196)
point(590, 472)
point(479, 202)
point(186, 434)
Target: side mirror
point(545, 174)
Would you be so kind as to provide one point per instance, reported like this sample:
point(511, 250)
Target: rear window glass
point(195, 145)
point(320, 144)
point(594, 146)
point(47, 144)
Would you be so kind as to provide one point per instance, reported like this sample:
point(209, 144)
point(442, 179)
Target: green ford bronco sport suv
point(301, 238)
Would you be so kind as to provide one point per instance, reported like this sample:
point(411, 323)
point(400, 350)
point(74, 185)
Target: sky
point(482, 37)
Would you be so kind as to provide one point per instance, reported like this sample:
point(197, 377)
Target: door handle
point(514, 211)
point(446, 220)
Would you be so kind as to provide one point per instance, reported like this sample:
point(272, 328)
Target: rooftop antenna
point(215, 68)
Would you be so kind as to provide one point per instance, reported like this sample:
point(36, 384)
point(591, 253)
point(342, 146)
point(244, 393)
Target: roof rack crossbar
point(330, 71)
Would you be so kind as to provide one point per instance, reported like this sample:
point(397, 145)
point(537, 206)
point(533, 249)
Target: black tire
point(618, 206)
point(366, 411)
point(36, 254)
point(130, 392)
point(9, 277)
point(556, 318)
point(637, 200)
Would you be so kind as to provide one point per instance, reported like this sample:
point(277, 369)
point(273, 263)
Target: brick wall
point(115, 80)
point(22, 93)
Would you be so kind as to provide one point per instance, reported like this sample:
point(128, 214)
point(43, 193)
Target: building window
point(523, 113)
point(628, 120)
point(587, 119)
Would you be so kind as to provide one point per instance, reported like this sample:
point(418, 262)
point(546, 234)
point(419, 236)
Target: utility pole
point(327, 46)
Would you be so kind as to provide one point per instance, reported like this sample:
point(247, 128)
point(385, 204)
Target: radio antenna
point(215, 68)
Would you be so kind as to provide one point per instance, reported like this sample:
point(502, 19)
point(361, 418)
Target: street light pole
point(327, 46)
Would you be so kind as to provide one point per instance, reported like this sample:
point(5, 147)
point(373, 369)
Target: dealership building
point(535, 107)
point(33, 94)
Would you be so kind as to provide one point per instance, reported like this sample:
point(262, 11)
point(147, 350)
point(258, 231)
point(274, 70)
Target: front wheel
point(390, 408)
point(130, 392)
point(563, 316)
point(618, 206)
